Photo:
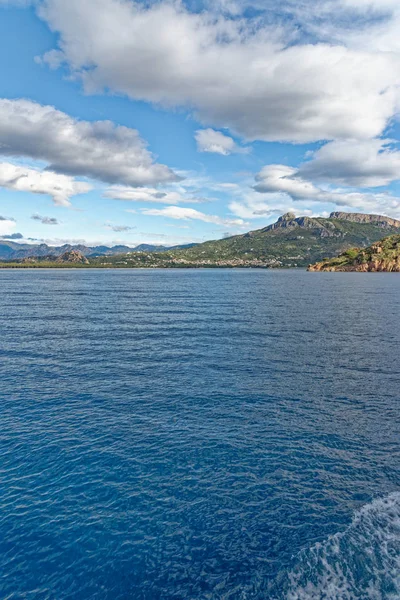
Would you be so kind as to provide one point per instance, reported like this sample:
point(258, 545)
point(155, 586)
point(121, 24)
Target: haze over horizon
point(127, 122)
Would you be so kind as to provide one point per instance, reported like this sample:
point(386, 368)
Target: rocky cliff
point(73, 256)
point(381, 256)
point(290, 221)
point(290, 242)
point(381, 221)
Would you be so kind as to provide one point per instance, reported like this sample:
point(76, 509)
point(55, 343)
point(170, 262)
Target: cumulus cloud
point(369, 163)
point(152, 195)
point(280, 178)
point(274, 179)
point(45, 220)
point(209, 140)
point(254, 206)
point(99, 150)
point(190, 214)
point(234, 73)
point(23, 179)
point(54, 59)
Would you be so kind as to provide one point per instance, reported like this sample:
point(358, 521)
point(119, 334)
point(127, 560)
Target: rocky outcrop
point(381, 221)
point(70, 256)
point(383, 256)
point(73, 256)
point(289, 221)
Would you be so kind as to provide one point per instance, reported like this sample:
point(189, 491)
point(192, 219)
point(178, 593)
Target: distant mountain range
point(10, 250)
point(290, 242)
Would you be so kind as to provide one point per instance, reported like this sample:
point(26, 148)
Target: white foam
point(362, 562)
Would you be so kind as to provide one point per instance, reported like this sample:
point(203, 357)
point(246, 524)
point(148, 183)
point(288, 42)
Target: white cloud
point(253, 206)
point(280, 178)
point(54, 59)
point(234, 73)
point(366, 25)
point(151, 195)
point(209, 140)
point(23, 179)
point(178, 212)
point(287, 180)
point(99, 150)
point(7, 226)
point(370, 163)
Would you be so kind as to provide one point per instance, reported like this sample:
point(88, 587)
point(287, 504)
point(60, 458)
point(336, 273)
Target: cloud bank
point(152, 195)
point(24, 179)
point(282, 179)
point(368, 163)
point(233, 73)
point(190, 214)
point(98, 150)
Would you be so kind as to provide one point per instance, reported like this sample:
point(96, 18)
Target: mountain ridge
point(10, 250)
point(289, 242)
point(380, 220)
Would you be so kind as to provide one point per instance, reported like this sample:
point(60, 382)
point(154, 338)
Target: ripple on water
point(198, 435)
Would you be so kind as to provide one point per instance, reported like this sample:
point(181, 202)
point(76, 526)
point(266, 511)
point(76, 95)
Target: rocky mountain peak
point(73, 256)
point(289, 216)
point(380, 220)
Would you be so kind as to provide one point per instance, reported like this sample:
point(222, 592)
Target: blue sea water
point(195, 435)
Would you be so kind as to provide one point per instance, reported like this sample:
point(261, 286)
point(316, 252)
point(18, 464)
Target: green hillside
point(290, 242)
point(381, 256)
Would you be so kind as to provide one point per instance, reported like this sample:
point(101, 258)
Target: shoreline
point(145, 268)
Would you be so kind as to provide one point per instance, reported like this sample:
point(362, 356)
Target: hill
point(10, 250)
point(290, 242)
point(381, 256)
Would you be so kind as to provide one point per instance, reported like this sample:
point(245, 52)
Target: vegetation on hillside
point(380, 256)
point(290, 242)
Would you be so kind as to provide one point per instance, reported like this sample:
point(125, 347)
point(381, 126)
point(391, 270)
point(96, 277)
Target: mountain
point(74, 257)
point(381, 256)
point(290, 242)
point(14, 251)
point(384, 222)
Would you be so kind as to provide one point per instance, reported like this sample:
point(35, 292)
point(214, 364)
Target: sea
point(199, 435)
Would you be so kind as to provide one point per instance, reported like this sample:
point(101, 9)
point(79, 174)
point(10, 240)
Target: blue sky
point(163, 122)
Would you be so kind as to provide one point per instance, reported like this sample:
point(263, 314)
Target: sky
point(168, 122)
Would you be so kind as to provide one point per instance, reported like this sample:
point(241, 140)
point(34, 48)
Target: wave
point(362, 562)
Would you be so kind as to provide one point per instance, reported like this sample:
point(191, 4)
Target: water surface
point(199, 434)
